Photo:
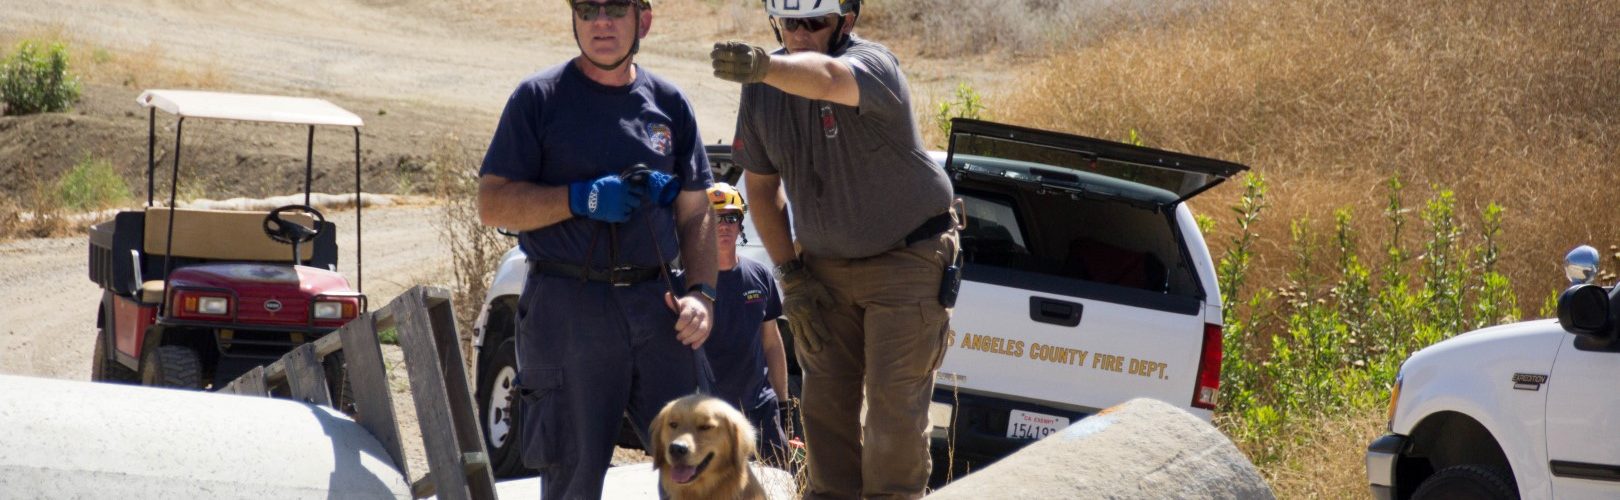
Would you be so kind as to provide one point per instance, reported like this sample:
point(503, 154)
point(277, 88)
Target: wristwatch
point(703, 289)
point(788, 267)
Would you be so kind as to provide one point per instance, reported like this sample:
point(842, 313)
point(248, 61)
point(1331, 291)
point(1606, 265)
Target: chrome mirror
point(1581, 265)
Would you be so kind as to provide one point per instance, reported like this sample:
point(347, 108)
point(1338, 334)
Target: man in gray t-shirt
point(828, 118)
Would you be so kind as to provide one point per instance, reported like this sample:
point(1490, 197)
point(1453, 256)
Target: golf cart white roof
point(249, 107)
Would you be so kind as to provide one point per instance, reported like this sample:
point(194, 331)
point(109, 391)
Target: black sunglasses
point(809, 23)
point(731, 218)
point(588, 11)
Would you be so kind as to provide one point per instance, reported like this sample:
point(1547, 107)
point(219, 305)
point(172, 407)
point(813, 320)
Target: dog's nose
point(678, 450)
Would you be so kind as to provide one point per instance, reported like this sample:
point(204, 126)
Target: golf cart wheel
point(108, 370)
point(339, 385)
point(498, 412)
point(171, 366)
point(1468, 482)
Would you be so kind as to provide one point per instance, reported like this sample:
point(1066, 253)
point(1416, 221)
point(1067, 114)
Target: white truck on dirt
point(1522, 410)
point(1085, 283)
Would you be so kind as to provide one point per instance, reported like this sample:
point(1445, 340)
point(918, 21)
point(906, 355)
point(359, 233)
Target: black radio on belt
point(951, 282)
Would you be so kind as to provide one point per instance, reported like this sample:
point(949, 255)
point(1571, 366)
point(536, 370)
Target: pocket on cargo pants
point(544, 436)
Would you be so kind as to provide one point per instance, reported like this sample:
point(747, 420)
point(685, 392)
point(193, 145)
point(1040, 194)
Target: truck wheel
point(171, 366)
point(498, 411)
point(1467, 482)
point(107, 370)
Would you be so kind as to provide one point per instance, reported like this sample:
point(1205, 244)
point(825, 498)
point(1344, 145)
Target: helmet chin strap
point(838, 38)
point(634, 46)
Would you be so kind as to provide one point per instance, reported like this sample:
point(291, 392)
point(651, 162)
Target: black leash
point(638, 175)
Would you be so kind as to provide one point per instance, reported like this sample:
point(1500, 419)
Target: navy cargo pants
point(586, 353)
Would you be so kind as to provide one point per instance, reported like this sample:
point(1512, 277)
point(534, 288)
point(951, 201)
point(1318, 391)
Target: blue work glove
point(663, 188)
point(607, 199)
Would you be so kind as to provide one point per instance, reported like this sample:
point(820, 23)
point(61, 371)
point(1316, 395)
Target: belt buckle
point(613, 276)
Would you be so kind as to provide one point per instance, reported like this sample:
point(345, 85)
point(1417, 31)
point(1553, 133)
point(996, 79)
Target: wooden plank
point(475, 458)
point(369, 378)
point(305, 376)
point(275, 373)
point(428, 390)
point(249, 384)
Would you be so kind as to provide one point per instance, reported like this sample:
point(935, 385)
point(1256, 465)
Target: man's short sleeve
point(691, 160)
point(514, 151)
point(746, 148)
point(877, 73)
point(773, 295)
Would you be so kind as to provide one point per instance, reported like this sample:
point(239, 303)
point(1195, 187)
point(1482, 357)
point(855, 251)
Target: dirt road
point(50, 314)
point(457, 53)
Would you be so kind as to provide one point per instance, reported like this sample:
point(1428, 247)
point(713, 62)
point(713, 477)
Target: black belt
point(618, 276)
point(931, 228)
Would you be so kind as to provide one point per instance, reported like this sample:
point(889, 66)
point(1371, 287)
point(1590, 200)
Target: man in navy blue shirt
point(745, 348)
point(598, 164)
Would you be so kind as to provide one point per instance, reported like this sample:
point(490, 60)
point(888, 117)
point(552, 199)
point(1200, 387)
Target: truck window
point(1092, 240)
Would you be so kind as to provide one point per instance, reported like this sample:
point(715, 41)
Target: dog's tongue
point(682, 474)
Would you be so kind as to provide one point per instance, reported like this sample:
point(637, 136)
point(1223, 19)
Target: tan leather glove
point(740, 62)
point(803, 297)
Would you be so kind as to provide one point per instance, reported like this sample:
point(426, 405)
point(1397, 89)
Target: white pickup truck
point(1086, 283)
point(1515, 411)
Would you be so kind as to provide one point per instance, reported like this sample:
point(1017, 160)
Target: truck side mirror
point(1585, 310)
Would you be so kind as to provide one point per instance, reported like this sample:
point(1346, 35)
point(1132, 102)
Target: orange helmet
point(724, 197)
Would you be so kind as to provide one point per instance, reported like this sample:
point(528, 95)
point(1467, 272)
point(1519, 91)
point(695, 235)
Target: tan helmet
point(724, 197)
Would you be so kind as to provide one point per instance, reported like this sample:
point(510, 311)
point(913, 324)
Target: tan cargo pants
point(887, 336)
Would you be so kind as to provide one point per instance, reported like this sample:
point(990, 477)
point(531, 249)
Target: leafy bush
point(36, 80)
point(964, 103)
point(1331, 339)
point(91, 184)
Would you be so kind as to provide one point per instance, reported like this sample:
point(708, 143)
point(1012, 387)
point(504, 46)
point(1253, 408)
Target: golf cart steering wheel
point(289, 232)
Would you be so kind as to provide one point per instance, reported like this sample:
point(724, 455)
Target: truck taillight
point(1208, 385)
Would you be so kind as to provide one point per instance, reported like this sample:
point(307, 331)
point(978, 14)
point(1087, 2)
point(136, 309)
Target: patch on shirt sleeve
point(659, 137)
point(753, 297)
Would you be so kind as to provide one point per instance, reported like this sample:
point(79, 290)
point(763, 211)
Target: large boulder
point(1140, 449)
point(67, 439)
point(640, 482)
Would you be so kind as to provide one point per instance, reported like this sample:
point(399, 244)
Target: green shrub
point(965, 103)
point(1331, 340)
point(91, 184)
point(36, 80)
point(389, 336)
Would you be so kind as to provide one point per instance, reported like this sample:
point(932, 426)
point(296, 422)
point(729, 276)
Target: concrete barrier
point(1140, 449)
point(68, 439)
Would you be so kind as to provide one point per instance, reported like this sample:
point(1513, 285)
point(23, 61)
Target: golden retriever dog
point(701, 447)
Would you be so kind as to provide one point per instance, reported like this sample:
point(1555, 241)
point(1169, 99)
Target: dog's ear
point(657, 445)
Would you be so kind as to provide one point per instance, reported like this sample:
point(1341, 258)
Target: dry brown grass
point(36, 213)
point(1319, 457)
point(975, 28)
point(139, 67)
point(1500, 101)
point(475, 250)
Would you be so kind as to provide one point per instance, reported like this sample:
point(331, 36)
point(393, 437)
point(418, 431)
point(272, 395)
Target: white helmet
point(804, 8)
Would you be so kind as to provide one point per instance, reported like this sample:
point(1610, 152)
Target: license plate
point(1030, 425)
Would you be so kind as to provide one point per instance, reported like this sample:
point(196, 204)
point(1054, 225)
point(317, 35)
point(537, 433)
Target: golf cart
point(193, 298)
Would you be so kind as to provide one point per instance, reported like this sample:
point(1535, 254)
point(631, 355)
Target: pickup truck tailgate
point(1077, 353)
